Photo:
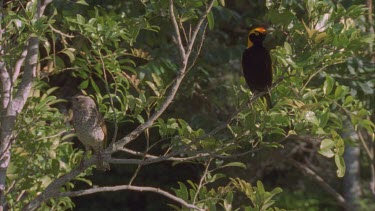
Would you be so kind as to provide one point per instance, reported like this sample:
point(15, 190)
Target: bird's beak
point(270, 30)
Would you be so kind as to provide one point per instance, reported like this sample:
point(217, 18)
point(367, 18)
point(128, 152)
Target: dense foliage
point(216, 146)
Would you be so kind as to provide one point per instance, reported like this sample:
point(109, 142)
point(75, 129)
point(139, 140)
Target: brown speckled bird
point(89, 126)
point(257, 64)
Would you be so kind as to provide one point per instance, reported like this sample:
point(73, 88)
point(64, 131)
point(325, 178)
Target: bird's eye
point(256, 33)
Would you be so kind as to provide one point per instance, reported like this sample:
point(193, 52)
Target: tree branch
point(52, 191)
point(5, 87)
point(198, 27)
point(181, 73)
point(11, 107)
point(177, 31)
point(17, 67)
point(309, 172)
point(129, 187)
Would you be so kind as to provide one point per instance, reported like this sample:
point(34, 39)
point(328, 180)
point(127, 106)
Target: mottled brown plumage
point(89, 126)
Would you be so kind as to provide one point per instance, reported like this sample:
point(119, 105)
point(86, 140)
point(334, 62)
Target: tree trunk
point(351, 182)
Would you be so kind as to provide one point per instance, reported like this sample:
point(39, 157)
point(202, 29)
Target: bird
point(257, 64)
point(89, 126)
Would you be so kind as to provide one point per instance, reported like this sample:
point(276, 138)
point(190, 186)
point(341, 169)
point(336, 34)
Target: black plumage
point(257, 64)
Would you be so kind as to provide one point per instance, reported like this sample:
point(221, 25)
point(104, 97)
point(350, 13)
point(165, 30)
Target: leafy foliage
point(124, 54)
point(41, 153)
point(260, 198)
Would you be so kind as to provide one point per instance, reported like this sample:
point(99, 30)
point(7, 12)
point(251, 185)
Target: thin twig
point(198, 27)
point(364, 144)
point(177, 31)
point(147, 134)
point(199, 49)
point(201, 181)
point(110, 96)
point(129, 187)
point(320, 70)
point(60, 32)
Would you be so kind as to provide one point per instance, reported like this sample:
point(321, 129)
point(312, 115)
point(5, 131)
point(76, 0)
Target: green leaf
point(288, 48)
point(80, 19)
point(183, 192)
point(140, 119)
point(222, 3)
point(69, 53)
point(326, 148)
point(153, 87)
point(324, 117)
point(348, 100)
point(210, 19)
point(340, 163)
point(328, 85)
point(367, 124)
point(235, 164)
point(83, 2)
point(84, 84)
point(310, 117)
point(260, 187)
point(93, 84)
point(339, 92)
point(216, 177)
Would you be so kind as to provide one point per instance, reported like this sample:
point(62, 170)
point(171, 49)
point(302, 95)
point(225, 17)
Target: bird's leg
point(100, 163)
point(254, 93)
point(268, 98)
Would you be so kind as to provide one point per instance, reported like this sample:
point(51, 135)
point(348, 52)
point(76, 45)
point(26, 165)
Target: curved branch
point(129, 187)
point(177, 31)
point(309, 172)
point(198, 27)
point(181, 74)
point(52, 190)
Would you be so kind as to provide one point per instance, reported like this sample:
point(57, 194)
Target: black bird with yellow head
point(257, 64)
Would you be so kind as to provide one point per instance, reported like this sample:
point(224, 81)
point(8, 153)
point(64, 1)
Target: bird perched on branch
point(90, 127)
point(256, 64)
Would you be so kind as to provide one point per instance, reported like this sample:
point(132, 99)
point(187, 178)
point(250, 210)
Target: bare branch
point(12, 107)
point(202, 180)
point(168, 99)
point(198, 49)
point(17, 67)
point(28, 77)
point(157, 159)
point(198, 27)
point(177, 31)
point(309, 172)
point(60, 32)
point(365, 146)
point(43, 7)
point(5, 86)
point(53, 189)
point(129, 187)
